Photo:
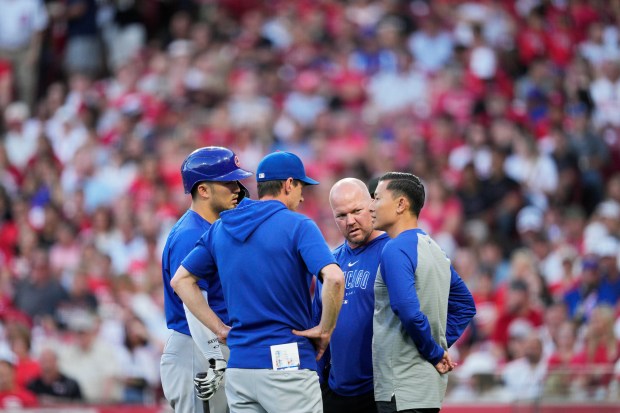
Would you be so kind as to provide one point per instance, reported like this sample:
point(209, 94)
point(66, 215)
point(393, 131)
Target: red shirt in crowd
point(26, 370)
point(560, 44)
point(17, 398)
point(500, 336)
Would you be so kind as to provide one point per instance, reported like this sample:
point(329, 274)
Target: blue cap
point(279, 166)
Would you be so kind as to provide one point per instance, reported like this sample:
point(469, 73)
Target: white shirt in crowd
point(19, 21)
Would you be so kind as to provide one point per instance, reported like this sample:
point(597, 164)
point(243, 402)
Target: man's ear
point(402, 205)
point(288, 185)
point(204, 190)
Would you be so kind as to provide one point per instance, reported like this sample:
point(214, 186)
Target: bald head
point(350, 200)
point(348, 188)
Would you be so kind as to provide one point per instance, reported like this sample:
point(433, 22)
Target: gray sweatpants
point(270, 391)
point(180, 362)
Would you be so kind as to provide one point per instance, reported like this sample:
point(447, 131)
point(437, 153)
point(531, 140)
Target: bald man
point(350, 381)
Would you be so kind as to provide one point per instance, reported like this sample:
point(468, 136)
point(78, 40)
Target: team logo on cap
point(237, 161)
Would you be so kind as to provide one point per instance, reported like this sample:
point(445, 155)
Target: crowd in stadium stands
point(508, 110)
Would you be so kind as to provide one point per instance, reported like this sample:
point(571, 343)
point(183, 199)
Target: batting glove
point(206, 384)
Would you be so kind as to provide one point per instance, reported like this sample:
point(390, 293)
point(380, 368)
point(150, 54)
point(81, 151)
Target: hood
point(242, 221)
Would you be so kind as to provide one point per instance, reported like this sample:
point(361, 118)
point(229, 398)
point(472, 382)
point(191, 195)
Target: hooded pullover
point(265, 256)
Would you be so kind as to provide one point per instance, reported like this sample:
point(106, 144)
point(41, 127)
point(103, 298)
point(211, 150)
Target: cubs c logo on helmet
point(211, 163)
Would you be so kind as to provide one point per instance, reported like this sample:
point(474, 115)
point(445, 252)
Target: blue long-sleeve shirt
point(399, 263)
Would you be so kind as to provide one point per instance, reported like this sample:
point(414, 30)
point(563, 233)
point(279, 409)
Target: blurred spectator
point(431, 46)
point(594, 364)
point(566, 160)
point(125, 34)
point(592, 153)
point(594, 49)
point(26, 368)
point(126, 245)
point(531, 38)
point(524, 377)
point(92, 362)
point(21, 136)
point(81, 296)
point(518, 315)
point(443, 214)
point(305, 102)
point(559, 271)
point(536, 172)
point(483, 60)
point(560, 42)
point(247, 106)
point(608, 214)
point(6, 84)
point(589, 292)
point(12, 395)
point(371, 58)
point(530, 225)
point(139, 361)
point(10, 234)
point(555, 317)
point(22, 25)
point(503, 199)
point(608, 250)
point(51, 386)
point(402, 89)
point(478, 381)
point(83, 53)
point(475, 150)
point(559, 376)
point(471, 194)
point(66, 134)
point(613, 188)
point(40, 293)
point(65, 252)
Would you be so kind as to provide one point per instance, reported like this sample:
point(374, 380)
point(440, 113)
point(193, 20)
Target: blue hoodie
point(265, 256)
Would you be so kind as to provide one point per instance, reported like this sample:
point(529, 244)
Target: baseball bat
point(205, 403)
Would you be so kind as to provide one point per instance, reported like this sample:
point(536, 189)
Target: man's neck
point(374, 234)
point(404, 223)
point(281, 198)
point(205, 212)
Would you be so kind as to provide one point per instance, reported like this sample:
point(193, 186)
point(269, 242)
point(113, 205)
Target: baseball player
point(211, 175)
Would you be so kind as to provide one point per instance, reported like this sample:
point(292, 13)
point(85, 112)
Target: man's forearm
point(206, 340)
point(185, 285)
point(333, 293)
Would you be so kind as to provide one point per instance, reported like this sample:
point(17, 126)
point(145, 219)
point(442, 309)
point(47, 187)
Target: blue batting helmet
point(211, 163)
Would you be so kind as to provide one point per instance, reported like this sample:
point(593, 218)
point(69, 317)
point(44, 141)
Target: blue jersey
point(181, 240)
point(265, 256)
point(351, 342)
